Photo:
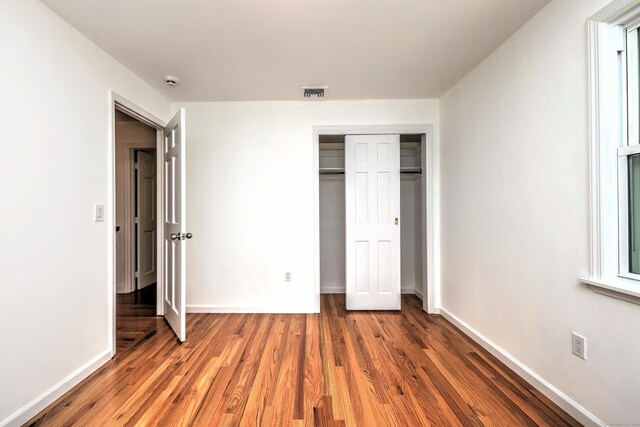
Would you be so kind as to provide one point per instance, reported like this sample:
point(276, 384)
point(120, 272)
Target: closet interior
point(332, 213)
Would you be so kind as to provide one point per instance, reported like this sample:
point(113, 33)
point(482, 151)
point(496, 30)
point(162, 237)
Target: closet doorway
point(413, 212)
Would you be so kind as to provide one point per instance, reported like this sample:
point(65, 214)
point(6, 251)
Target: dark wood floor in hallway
point(334, 369)
point(136, 317)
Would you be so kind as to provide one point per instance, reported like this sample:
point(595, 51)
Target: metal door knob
point(175, 236)
point(187, 235)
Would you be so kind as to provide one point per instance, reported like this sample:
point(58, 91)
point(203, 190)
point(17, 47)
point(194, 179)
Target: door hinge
point(136, 275)
point(136, 221)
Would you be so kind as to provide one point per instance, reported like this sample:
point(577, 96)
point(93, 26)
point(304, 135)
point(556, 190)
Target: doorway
point(167, 264)
point(416, 214)
point(389, 235)
point(136, 229)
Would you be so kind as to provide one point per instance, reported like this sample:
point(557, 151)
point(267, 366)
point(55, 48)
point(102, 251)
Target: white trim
point(204, 308)
point(569, 405)
point(617, 10)
point(431, 224)
point(333, 290)
point(119, 102)
point(629, 150)
point(604, 45)
point(619, 287)
point(594, 164)
point(633, 276)
point(417, 292)
point(136, 112)
point(33, 408)
point(327, 290)
point(623, 218)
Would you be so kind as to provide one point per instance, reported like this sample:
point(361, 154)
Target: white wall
point(332, 234)
point(250, 196)
point(54, 259)
point(417, 230)
point(514, 215)
point(410, 233)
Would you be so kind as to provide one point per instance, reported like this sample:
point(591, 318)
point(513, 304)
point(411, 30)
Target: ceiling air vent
point(314, 92)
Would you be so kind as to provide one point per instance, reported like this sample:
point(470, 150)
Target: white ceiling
point(231, 50)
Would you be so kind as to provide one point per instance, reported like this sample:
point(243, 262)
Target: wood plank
point(337, 368)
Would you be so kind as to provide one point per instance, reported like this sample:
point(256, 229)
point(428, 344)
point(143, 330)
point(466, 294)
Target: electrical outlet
point(288, 276)
point(579, 345)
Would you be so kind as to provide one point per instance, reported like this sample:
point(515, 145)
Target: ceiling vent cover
point(314, 92)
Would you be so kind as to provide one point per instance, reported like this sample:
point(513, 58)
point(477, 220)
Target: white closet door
point(372, 191)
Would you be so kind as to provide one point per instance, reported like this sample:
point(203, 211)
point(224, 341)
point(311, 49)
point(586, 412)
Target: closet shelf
point(340, 171)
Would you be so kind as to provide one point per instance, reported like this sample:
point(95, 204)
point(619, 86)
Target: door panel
point(174, 225)
point(384, 266)
point(362, 267)
point(146, 218)
point(372, 195)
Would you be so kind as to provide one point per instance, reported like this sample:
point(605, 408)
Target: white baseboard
point(233, 309)
point(332, 290)
point(337, 290)
point(418, 293)
point(34, 407)
point(203, 308)
point(572, 407)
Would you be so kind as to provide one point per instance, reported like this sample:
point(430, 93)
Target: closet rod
point(411, 170)
point(331, 171)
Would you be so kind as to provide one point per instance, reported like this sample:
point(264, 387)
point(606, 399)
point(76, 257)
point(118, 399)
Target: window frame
point(629, 115)
point(610, 148)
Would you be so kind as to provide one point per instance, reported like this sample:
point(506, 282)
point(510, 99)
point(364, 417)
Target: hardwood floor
point(136, 317)
point(334, 369)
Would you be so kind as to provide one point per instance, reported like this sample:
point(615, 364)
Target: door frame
point(121, 103)
point(430, 203)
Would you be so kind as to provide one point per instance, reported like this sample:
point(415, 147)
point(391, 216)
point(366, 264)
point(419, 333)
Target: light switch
point(98, 213)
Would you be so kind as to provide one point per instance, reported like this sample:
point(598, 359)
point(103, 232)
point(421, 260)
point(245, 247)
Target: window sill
point(618, 287)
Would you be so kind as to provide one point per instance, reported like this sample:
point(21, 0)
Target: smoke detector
point(314, 92)
point(171, 80)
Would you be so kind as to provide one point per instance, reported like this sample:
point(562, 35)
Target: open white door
point(175, 235)
point(146, 218)
point(372, 178)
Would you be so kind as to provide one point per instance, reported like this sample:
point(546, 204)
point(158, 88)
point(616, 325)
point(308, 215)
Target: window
point(628, 151)
point(633, 229)
point(614, 96)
